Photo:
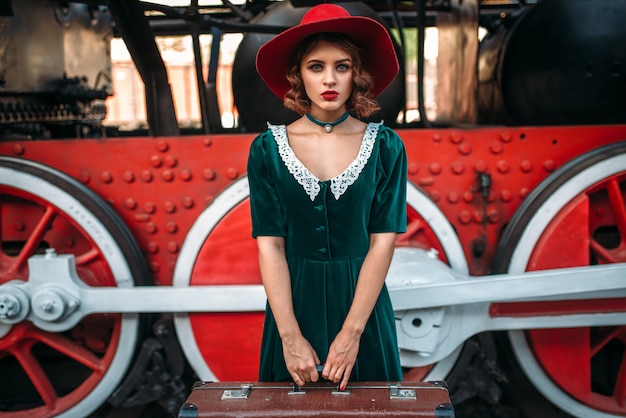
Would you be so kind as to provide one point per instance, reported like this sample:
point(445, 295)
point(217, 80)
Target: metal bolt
point(47, 306)
point(9, 306)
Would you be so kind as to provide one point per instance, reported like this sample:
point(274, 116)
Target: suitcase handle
point(297, 390)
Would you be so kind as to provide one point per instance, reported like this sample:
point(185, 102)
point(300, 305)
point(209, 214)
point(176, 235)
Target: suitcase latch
point(395, 392)
point(237, 393)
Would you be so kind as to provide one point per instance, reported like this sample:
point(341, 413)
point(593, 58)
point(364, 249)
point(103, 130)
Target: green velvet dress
point(326, 225)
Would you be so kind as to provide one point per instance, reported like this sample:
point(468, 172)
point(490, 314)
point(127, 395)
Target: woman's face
point(327, 76)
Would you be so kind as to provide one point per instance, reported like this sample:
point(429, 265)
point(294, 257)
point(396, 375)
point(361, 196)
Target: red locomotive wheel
point(71, 373)
point(219, 250)
point(577, 217)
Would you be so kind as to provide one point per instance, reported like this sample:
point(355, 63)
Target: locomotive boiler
point(127, 269)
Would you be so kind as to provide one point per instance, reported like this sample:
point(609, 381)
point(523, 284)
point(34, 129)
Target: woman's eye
point(316, 67)
point(342, 67)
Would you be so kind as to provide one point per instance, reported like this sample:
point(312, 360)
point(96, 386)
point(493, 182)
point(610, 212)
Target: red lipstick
point(330, 95)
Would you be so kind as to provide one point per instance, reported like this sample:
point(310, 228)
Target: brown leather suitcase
point(365, 399)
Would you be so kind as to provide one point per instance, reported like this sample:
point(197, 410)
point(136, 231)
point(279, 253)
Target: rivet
point(526, 166)
point(465, 148)
point(154, 267)
point(493, 216)
point(84, 177)
point(209, 174)
point(208, 199)
point(170, 161)
point(207, 141)
point(151, 227)
point(19, 226)
point(480, 166)
point(172, 247)
point(505, 196)
point(503, 166)
point(468, 197)
point(524, 192)
point(437, 137)
point(185, 175)
point(458, 167)
point(69, 242)
point(600, 212)
point(149, 207)
point(167, 175)
point(549, 165)
point(130, 203)
point(162, 145)
point(496, 148)
point(456, 138)
point(146, 175)
point(106, 177)
point(505, 137)
point(232, 173)
point(156, 161)
point(435, 168)
point(478, 216)
point(465, 217)
point(18, 149)
point(435, 196)
point(171, 227)
point(413, 169)
point(453, 197)
point(188, 202)
point(128, 176)
point(170, 207)
point(153, 247)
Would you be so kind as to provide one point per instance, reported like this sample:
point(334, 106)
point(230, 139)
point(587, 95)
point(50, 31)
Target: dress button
point(322, 250)
point(321, 228)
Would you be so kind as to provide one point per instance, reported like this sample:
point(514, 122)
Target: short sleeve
point(388, 212)
point(265, 207)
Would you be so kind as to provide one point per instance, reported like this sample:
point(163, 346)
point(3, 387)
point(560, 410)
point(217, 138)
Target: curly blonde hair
point(361, 101)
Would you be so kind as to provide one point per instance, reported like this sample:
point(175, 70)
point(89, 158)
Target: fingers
point(304, 375)
point(300, 359)
point(297, 379)
point(346, 378)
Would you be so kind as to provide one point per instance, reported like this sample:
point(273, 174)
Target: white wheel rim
point(116, 262)
point(519, 260)
point(236, 193)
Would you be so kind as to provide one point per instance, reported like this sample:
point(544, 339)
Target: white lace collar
point(310, 183)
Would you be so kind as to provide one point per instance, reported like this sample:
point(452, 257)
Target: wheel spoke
point(87, 257)
point(602, 253)
point(33, 240)
point(37, 376)
point(602, 338)
point(413, 229)
point(618, 206)
point(71, 349)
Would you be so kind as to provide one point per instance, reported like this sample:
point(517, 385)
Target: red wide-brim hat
point(377, 52)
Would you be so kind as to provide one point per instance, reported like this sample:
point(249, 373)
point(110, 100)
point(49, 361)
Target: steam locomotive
point(127, 269)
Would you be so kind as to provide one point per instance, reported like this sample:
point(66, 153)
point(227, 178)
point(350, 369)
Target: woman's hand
point(300, 359)
point(341, 358)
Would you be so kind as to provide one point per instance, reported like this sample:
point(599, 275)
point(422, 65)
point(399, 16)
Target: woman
point(328, 195)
